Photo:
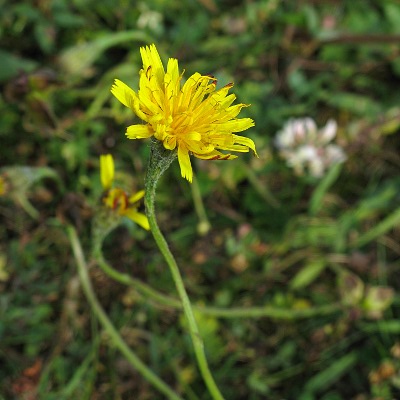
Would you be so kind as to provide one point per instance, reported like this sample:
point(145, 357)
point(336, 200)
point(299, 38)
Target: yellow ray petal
point(170, 142)
point(215, 155)
point(106, 170)
point(172, 68)
point(236, 125)
point(228, 100)
point(184, 162)
point(136, 197)
point(199, 147)
point(233, 147)
point(151, 58)
point(137, 217)
point(233, 111)
point(245, 142)
point(151, 90)
point(124, 94)
point(193, 91)
point(192, 136)
point(138, 131)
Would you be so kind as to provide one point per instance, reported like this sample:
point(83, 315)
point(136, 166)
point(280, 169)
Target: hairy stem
point(160, 160)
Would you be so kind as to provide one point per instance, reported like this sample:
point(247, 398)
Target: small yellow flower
point(196, 119)
point(116, 198)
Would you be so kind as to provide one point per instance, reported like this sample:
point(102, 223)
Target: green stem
point(140, 286)
point(260, 188)
point(160, 160)
point(204, 225)
point(271, 312)
point(107, 324)
point(27, 206)
point(219, 312)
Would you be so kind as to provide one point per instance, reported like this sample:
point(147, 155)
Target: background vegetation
point(321, 256)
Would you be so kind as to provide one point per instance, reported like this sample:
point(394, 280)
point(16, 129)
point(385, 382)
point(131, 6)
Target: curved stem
point(140, 286)
point(107, 324)
point(160, 160)
point(268, 311)
point(219, 312)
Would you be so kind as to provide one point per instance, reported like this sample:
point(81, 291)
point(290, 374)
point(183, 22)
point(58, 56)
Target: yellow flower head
point(194, 117)
point(116, 198)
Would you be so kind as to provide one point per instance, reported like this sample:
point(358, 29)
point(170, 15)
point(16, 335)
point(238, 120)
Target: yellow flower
point(116, 198)
point(193, 118)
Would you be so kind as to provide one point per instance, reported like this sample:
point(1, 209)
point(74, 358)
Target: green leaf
point(324, 379)
point(380, 229)
point(308, 274)
point(392, 13)
point(388, 327)
point(45, 35)
point(78, 59)
point(11, 65)
point(354, 103)
point(329, 179)
point(367, 208)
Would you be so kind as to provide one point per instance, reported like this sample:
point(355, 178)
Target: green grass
point(295, 286)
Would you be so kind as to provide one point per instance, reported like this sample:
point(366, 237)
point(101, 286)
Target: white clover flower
point(153, 20)
point(328, 132)
point(307, 149)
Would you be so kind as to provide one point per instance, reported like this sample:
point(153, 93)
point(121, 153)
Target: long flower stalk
point(160, 160)
point(115, 337)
